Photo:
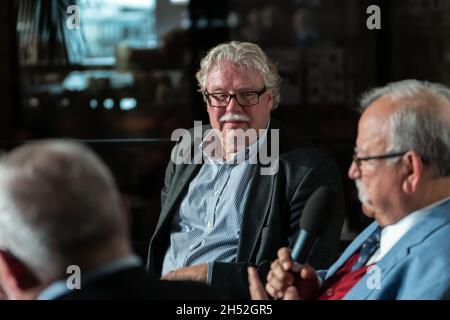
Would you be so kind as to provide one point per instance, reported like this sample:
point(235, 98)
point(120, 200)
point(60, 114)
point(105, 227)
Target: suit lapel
point(256, 210)
point(258, 201)
point(183, 177)
point(402, 248)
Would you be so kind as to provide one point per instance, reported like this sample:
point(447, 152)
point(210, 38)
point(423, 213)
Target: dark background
point(326, 56)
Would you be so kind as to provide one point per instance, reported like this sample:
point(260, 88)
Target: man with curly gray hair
point(223, 214)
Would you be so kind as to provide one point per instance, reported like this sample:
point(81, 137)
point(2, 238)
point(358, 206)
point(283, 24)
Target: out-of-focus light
point(186, 24)
point(75, 81)
point(65, 102)
point(131, 3)
point(233, 20)
point(33, 102)
point(202, 23)
point(93, 103)
point(179, 1)
point(217, 23)
point(108, 103)
point(128, 103)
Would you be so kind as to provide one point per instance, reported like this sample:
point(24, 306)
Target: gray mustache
point(234, 117)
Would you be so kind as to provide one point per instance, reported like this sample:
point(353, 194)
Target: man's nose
point(233, 106)
point(354, 172)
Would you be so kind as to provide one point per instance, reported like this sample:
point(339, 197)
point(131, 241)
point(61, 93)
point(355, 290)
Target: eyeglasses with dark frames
point(244, 98)
point(359, 160)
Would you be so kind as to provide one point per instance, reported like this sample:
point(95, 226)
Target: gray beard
point(361, 194)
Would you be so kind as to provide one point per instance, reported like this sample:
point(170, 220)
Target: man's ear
point(16, 273)
point(413, 170)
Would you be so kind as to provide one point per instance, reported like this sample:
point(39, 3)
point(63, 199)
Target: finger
point(277, 271)
point(277, 268)
point(284, 256)
point(274, 293)
point(291, 293)
point(274, 263)
point(256, 287)
point(276, 283)
point(307, 272)
point(283, 275)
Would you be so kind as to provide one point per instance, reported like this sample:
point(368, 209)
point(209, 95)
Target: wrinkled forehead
point(373, 126)
point(370, 144)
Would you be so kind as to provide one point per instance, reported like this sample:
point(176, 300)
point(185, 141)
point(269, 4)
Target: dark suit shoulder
point(297, 151)
point(136, 284)
point(306, 156)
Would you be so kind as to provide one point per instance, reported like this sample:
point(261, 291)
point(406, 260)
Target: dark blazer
point(136, 284)
point(272, 213)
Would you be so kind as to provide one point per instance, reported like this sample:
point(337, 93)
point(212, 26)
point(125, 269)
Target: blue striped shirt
point(207, 225)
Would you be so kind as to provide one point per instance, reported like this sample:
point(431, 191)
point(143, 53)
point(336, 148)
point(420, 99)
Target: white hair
point(57, 199)
point(420, 123)
point(247, 55)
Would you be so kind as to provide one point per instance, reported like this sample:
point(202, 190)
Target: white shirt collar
point(391, 234)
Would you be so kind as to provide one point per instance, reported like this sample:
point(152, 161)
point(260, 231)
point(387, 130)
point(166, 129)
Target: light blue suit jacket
point(417, 266)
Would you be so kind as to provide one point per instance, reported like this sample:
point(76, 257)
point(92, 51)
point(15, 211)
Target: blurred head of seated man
point(63, 232)
point(401, 168)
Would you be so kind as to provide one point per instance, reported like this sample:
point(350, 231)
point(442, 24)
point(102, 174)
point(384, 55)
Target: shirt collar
point(391, 234)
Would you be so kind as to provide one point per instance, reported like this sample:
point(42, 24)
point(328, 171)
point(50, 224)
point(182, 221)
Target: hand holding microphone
point(287, 279)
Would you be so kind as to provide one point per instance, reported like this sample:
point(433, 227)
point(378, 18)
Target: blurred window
point(107, 24)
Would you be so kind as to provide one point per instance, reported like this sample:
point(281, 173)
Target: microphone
point(315, 217)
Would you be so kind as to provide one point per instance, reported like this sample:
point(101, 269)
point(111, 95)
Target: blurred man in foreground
point(63, 232)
